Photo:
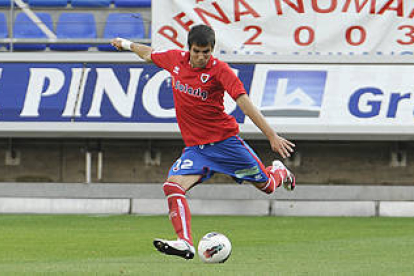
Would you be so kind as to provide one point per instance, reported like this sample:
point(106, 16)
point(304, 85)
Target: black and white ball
point(214, 248)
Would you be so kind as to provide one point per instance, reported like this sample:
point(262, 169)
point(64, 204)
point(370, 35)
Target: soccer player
point(210, 135)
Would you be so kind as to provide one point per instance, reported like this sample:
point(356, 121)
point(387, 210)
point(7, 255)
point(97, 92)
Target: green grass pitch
point(122, 245)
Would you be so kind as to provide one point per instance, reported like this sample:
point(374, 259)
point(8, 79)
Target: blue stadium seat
point(75, 25)
point(4, 3)
point(91, 3)
point(132, 3)
point(48, 3)
point(3, 27)
point(24, 27)
point(125, 25)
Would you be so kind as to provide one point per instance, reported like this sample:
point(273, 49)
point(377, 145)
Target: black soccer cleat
point(179, 248)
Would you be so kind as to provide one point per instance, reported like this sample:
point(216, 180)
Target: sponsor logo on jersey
point(195, 92)
point(293, 93)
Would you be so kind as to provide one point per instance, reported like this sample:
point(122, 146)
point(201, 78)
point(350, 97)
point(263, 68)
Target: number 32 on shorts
point(183, 164)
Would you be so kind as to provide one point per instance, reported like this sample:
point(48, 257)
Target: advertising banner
point(71, 93)
point(290, 27)
point(336, 99)
point(126, 100)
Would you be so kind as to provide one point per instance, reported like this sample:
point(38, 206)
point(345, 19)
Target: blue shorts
point(232, 156)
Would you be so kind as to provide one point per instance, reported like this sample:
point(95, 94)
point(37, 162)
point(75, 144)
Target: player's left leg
point(278, 175)
point(191, 168)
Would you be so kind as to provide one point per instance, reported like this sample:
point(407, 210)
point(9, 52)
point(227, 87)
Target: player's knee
point(173, 188)
point(184, 181)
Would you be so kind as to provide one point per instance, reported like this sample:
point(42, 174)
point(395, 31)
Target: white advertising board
point(336, 99)
point(320, 101)
point(290, 27)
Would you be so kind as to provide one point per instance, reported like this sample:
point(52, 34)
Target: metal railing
point(94, 41)
point(19, 5)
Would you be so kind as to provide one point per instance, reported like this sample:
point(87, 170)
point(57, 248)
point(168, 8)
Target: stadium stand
point(48, 3)
point(3, 26)
point(126, 25)
point(75, 25)
point(106, 19)
point(90, 3)
point(6, 3)
point(133, 3)
point(25, 28)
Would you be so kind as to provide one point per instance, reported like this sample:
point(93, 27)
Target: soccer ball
point(214, 248)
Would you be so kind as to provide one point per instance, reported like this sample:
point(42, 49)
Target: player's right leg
point(236, 158)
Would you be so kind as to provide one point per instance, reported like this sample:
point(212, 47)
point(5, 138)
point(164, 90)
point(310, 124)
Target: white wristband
point(126, 44)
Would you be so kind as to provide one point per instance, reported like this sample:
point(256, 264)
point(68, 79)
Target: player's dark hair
point(201, 35)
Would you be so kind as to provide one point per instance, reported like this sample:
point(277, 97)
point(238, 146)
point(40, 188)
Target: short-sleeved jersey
point(199, 96)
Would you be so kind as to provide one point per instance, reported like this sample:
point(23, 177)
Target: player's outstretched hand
point(282, 146)
point(117, 43)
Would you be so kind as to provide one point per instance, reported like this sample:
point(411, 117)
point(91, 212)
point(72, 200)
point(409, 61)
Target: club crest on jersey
point(204, 77)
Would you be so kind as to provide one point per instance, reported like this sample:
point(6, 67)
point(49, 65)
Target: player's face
point(200, 55)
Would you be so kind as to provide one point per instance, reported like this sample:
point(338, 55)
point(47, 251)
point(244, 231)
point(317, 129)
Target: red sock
point(273, 182)
point(179, 211)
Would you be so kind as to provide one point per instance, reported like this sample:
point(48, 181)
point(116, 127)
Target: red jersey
point(198, 96)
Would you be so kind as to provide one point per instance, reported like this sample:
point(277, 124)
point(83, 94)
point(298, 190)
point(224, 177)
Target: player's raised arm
point(278, 144)
point(143, 51)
